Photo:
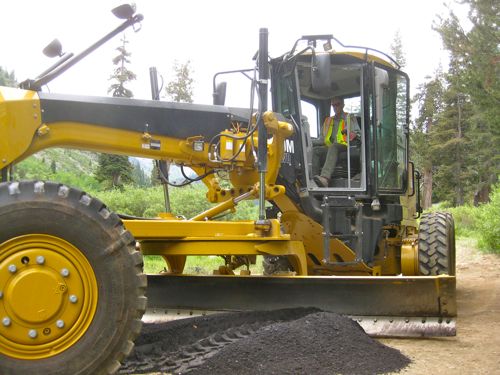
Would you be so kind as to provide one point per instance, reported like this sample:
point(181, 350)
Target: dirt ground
point(476, 348)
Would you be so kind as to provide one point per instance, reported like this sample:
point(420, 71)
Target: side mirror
point(53, 49)
point(220, 93)
point(321, 74)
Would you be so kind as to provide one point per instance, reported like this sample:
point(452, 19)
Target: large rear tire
point(436, 244)
point(71, 281)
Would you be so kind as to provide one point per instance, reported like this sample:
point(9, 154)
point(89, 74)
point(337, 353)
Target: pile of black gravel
point(292, 341)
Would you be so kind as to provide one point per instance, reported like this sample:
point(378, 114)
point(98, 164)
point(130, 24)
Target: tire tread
point(436, 244)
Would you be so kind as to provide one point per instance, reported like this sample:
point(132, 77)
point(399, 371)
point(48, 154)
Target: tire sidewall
point(79, 220)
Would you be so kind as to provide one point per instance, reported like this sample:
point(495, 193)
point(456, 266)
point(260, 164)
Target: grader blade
point(383, 306)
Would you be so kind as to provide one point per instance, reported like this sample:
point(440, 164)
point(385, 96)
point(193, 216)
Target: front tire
point(71, 281)
point(436, 244)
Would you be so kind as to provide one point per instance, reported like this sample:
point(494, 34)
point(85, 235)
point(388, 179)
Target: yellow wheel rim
point(48, 296)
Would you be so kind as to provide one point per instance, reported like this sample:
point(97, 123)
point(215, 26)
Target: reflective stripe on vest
point(341, 138)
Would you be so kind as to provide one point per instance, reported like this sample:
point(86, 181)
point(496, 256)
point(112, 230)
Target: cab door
point(391, 130)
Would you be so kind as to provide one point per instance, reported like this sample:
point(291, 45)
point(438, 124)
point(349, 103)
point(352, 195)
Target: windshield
point(344, 133)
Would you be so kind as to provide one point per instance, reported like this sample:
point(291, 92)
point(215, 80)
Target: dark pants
point(332, 156)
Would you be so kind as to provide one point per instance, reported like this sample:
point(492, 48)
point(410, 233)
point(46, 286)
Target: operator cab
point(375, 94)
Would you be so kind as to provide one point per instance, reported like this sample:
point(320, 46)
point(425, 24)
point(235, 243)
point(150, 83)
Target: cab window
point(310, 113)
point(392, 134)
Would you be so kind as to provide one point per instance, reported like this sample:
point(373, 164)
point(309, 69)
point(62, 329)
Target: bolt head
point(73, 298)
point(60, 324)
point(6, 321)
point(40, 259)
point(64, 272)
point(12, 268)
point(33, 333)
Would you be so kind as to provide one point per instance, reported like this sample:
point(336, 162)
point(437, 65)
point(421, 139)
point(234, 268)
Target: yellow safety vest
point(328, 130)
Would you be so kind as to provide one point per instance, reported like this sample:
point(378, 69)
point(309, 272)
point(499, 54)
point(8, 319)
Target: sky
point(214, 36)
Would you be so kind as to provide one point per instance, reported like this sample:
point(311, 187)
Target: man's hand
point(352, 135)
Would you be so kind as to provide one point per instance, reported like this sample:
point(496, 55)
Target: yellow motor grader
point(72, 289)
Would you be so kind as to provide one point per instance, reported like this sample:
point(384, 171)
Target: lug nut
point(12, 268)
point(40, 259)
point(32, 333)
point(73, 298)
point(60, 324)
point(6, 321)
point(64, 272)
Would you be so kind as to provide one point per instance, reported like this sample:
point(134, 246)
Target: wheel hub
point(35, 295)
point(48, 296)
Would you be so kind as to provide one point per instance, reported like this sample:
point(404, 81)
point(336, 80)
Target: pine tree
point(397, 50)
point(53, 167)
point(7, 79)
point(138, 175)
point(113, 171)
point(180, 89)
point(451, 149)
point(430, 106)
point(475, 77)
point(121, 73)
point(155, 179)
